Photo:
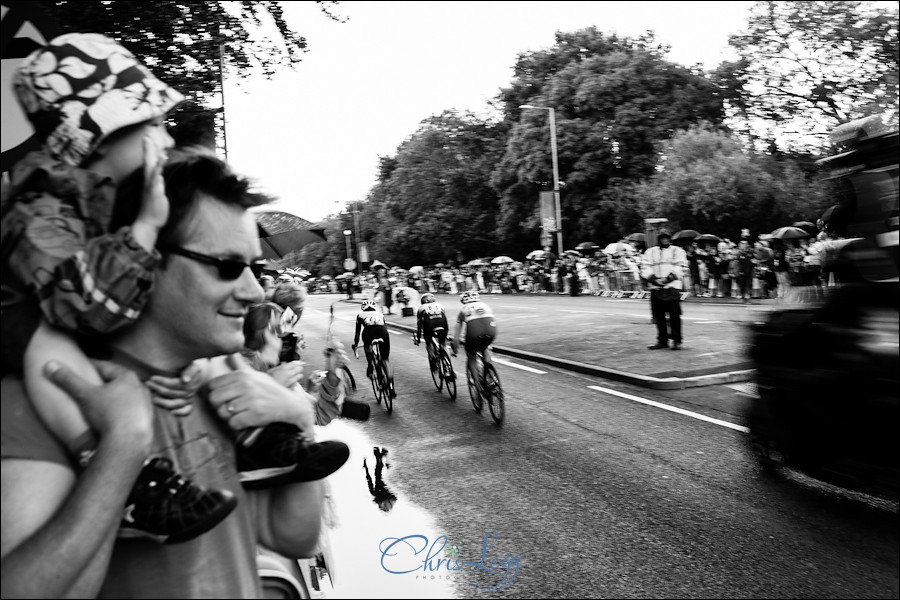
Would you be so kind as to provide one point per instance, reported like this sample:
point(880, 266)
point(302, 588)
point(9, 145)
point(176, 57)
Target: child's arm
point(87, 285)
point(90, 282)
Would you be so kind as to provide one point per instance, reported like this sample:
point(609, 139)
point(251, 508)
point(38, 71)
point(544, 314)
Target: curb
point(655, 383)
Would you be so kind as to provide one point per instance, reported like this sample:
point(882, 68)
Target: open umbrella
point(540, 255)
point(806, 226)
point(574, 253)
point(478, 262)
point(708, 237)
point(587, 247)
point(619, 247)
point(416, 269)
point(501, 260)
point(636, 237)
point(281, 233)
point(377, 264)
point(684, 237)
point(789, 233)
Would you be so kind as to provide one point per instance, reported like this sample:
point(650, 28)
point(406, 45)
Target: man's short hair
point(192, 173)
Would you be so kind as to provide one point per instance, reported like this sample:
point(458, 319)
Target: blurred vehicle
point(828, 400)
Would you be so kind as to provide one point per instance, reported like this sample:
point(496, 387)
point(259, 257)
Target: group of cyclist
point(431, 321)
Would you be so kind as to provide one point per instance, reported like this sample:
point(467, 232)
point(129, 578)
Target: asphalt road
point(592, 488)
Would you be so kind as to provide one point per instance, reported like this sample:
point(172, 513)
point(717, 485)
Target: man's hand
point(248, 398)
point(652, 279)
point(120, 407)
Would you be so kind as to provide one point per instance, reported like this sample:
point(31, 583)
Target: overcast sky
point(312, 136)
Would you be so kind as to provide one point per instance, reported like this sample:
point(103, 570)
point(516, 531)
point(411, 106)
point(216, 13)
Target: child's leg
point(59, 412)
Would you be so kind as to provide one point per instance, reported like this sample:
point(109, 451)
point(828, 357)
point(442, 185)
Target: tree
point(186, 43)
point(708, 182)
point(433, 199)
point(616, 99)
point(806, 67)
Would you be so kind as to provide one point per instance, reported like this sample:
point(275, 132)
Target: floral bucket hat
point(81, 87)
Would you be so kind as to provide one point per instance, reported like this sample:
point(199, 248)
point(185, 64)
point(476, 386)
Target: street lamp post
point(347, 234)
point(553, 156)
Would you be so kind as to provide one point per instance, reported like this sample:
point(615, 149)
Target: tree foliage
point(806, 67)
point(708, 182)
point(433, 200)
point(187, 44)
point(616, 100)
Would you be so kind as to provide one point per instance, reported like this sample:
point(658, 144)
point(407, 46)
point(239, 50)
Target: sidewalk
point(714, 353)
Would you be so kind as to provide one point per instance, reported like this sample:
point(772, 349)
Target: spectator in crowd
point(267, 283)
point(663, 268)
point(745, 269)
point(55, 520)
point(291, 297)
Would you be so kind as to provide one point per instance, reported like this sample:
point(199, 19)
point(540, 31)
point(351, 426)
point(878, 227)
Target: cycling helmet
point(471, 296)
point(369, 305)
point(427, 298)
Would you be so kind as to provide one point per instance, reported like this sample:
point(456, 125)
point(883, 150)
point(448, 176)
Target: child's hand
point(175, 393)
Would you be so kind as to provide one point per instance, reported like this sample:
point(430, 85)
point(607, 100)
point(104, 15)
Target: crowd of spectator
point(789, 270)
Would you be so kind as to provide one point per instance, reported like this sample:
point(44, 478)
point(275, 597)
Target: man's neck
point(152, 349)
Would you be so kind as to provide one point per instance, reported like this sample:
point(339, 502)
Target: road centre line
point(523, 367)
point(680, 411)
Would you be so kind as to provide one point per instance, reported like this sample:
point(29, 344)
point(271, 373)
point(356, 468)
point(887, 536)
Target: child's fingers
point(179, 406)
point(168, 387)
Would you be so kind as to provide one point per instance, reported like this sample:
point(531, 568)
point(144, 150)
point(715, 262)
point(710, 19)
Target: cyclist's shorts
point(429, 327)
point(480, 333)
point(372, 332)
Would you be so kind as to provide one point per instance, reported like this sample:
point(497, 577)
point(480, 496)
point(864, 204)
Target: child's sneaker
point(319, 460)
point(276, 454)
point(168, 508)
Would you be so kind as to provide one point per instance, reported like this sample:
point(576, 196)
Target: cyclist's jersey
point(429, 317)
point(370, 323)
point(473, 311)
point(481, 326)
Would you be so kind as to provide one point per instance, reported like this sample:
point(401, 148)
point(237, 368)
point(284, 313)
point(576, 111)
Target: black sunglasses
point(228, 269)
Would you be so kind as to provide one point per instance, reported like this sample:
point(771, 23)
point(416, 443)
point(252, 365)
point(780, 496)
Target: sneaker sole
point(325, 463)
point(187, 535)
point(261, 474)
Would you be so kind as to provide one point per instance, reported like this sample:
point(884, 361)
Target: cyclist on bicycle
point(431, 320)
point(370, 322)
point(481, 329)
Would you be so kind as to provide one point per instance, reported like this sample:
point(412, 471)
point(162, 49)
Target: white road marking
point(702, 322)
point(671, 408)
point(397, 332)
point(523, 367)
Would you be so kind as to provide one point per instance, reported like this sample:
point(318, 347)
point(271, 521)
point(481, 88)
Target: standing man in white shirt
point(663, 267)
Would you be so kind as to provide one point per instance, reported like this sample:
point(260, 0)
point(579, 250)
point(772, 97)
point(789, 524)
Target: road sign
point(349, 264)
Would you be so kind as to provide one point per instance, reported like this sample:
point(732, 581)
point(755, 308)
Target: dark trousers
point(662, 309)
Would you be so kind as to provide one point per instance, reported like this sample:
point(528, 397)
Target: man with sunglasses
point(202, 291)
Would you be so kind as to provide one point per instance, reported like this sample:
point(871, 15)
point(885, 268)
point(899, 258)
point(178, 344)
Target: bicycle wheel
point(435, 365)
point(385, 388)
point(473, 392)
point(375, 388)
point(448, 375)
point(350, 382)
point(494, 394)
